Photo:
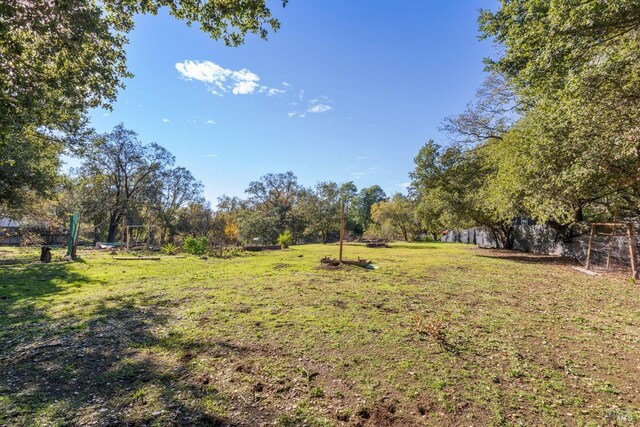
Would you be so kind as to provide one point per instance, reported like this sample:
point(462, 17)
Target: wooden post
point(593, 230)
point(123, 231)
point(341, 230)
point(128, 237)
point(632, 250)
point(613, 232)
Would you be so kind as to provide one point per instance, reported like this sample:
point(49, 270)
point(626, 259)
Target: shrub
point(285, 239)
point(195, 245)
point(170, 249)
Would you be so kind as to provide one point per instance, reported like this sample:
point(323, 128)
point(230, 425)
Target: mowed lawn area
point(439, 334)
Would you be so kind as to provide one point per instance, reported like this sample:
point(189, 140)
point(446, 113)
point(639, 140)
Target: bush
point(285, 239)
point(195, 245)
point(170, 249)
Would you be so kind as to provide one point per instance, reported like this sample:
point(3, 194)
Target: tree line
point(123, 183)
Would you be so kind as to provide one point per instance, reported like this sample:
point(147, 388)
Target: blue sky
point(346, 90)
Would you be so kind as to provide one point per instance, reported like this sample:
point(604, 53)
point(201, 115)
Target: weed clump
point(436, 330)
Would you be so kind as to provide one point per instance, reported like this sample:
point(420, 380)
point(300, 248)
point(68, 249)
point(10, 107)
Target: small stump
point(45, 254)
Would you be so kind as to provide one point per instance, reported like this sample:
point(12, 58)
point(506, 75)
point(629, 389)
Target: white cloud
point(211, 122)
point(245, 75)
point(404, 185)
point(319, 108)
point(165, 120)
point(314, 106)
point(244, 88)
point(220, 80)
point(357, 175)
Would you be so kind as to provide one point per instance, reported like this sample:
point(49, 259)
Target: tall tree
point(456, 184)
point(275, 194)
point(127, 170)
point(196, 219)
point(397, 212)
point(176, 189)
point(366, 199)
point(323, 210)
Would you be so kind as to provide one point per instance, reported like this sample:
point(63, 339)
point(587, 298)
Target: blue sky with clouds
point(346, 90)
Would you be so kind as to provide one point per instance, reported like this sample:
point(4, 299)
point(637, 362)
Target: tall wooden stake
point(593, 230)
point(123, 232)
point(341, 229)
point(632, 250)
point(613, 232)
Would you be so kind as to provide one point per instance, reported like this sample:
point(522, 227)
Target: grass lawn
point(440, 334)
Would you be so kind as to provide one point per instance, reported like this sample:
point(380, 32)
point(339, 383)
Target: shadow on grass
point(526, 258)
point(115, 368)
point(410, 246)
point(22, 287)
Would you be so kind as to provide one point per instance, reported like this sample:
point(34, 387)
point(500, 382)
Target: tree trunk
point(114, 221)
point(96, 235)
point(506, 236)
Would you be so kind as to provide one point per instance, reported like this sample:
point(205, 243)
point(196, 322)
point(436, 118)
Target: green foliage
point(119, 173)
point(575, 67)
point(174, 189)
point(322, 210)
point(195, 245)
point(29, 164)
point(61, 58)
point(397, 214)
point(170, 249)
point(272, 198)
point(365, 200)
point(285, 239)
point(69, 56)
point(257, 225)
point(454, 190)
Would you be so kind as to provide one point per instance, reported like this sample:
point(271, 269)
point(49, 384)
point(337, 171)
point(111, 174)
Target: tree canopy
point(553, 133)
point(60, 58)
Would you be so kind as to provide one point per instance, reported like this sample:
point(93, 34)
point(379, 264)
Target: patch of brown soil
point(383, 413)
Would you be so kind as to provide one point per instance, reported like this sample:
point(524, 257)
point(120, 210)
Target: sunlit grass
point(273, 337)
